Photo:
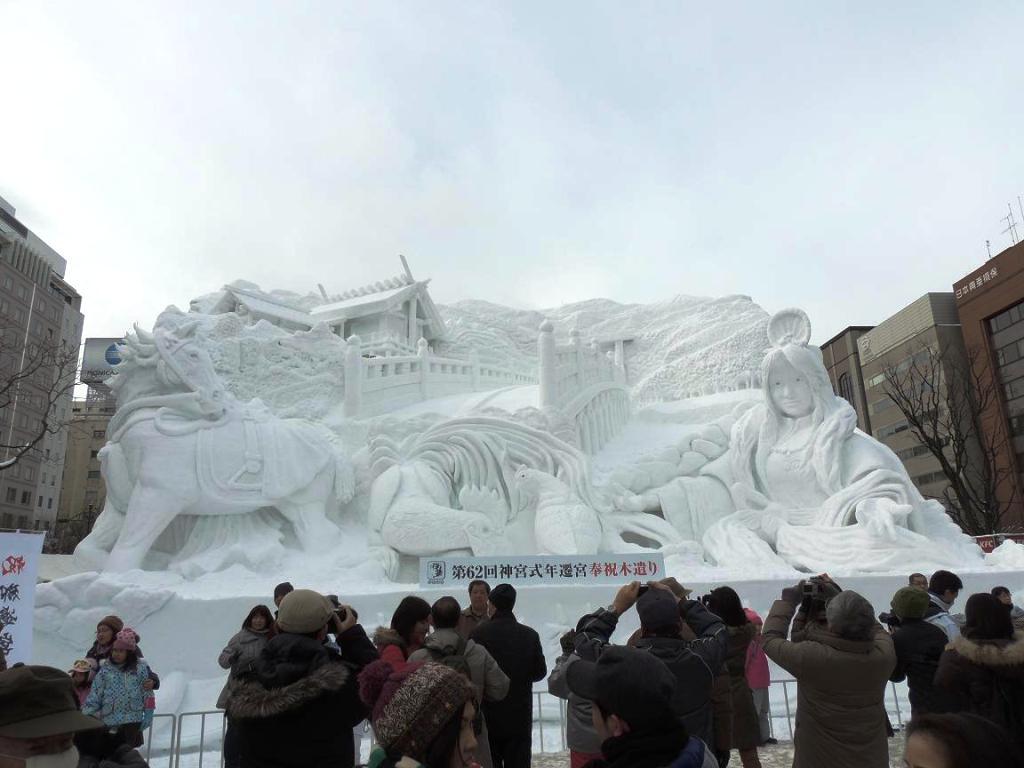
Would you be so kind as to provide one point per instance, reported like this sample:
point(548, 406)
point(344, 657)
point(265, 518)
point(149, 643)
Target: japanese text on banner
point(542, 570)
point(19, 560)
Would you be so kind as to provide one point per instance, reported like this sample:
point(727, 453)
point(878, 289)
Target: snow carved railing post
point(548, 365)
point(423, 352)
point(353, 377)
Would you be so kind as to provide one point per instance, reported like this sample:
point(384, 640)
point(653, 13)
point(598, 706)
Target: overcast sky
point(842, 157)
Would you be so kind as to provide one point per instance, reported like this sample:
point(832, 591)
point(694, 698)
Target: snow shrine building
point(389, 316)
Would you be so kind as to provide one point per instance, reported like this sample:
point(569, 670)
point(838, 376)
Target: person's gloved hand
point(568, 641)
point(793, 595)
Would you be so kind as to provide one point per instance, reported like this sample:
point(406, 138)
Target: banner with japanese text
point(19, 561)
point(542, 570)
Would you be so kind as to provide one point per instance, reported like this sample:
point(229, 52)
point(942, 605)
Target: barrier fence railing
point(195, 739)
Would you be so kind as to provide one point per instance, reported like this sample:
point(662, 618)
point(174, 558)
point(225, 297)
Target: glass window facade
point(1006, 335)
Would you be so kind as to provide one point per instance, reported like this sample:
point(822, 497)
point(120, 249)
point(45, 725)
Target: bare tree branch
point(35, 378)
point(944, 396)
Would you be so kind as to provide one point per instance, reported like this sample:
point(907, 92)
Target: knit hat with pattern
point(410, 707)
point(126, 640)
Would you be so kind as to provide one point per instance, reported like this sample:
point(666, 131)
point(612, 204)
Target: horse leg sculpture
point(150, 511)
point(309, 520)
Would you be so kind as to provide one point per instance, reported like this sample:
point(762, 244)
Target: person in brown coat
point(984, 667)
point(746, 727)
point(842, 670)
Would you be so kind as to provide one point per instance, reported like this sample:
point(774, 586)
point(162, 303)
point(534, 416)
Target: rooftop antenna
point(1011, 224)
point(1021, 207)
point(322, 291)
point(405, 266)
point(988, 247)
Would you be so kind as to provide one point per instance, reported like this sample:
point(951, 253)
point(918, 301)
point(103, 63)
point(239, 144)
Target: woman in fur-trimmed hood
point(984, 668)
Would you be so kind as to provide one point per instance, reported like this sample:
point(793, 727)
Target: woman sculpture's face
point(789, 390)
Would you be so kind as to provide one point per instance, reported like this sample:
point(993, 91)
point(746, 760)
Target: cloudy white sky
point(843, 157)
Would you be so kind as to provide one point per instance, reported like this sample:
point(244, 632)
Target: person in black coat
point(298, 702)
point(695, 663)
point(919, 645)
point(516, 647)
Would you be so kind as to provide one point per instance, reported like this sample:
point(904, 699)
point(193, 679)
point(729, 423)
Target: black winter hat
point(503, 597)
point(627, 682)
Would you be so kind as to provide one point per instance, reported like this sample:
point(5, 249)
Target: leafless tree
point(945, 399)
point(35, 377)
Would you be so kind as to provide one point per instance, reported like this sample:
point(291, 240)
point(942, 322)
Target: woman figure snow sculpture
point(799, 485)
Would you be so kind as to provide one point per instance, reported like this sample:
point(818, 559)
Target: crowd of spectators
point(443, 686)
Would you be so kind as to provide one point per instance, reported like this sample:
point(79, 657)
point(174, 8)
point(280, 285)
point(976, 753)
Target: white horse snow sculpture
point(181, 448)
point(454, 489)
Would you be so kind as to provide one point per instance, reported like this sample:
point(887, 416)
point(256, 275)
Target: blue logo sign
point(111, 355)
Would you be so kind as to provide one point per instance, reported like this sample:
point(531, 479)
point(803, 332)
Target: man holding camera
point(694, 663)
point(842, 659)
point(298, 704)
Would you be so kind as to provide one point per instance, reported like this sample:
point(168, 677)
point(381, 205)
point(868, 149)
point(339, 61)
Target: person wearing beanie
point(297, 704)
point(695, 663)
point(919, 645)
point(842, 669)
point(984, 667)
point(119, 691)
point(631, 693)
point(422, 714)
point(516, 647)
point(106, 632)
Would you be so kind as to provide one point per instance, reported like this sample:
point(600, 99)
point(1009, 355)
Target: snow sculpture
point(796, 484)
point(188, 464)
point(490, 486)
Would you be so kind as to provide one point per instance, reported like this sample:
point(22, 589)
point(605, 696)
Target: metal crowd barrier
point(186, 745)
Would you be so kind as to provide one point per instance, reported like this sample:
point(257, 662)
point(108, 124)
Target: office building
point(38, 309)
point(841, 355)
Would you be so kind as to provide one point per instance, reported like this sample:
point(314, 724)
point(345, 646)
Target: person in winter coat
point(959, 741)
point(919, 646)
point(580, 734)
point(842, 671)
point(746, 730)
point(298, 704)
point(632, 694)
point(759, 678)
point(410, 624)
point(943, 589)
point(984, 667)
point(516, 647)
point(423, 714)
point(445, 645)
point(241, 652)
point(82, 673)
point(695, 663)
point(1016, 612)
point(118, 693)
point(476, 612)
point(106, 632)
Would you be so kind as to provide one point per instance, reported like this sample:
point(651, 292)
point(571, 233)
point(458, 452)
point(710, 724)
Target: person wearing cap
point(423, 714)
point(280, 591)
point(299, 701)
point(118, 693)
point(632, 694)
point(842, 668)
point(39, 718)
point(517, 649)
point(919, 645)
point(695, 663)
point(82, 673)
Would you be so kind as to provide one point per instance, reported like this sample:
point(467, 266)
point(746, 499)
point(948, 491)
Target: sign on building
point(98, 360)
point(542, 570)
point(19, 561)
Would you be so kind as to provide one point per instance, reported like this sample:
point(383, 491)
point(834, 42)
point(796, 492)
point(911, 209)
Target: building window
point(892, 429)
point(99, 433)
point(846, 388)
point(40, 504)
point(23, 521)
point(26, 498)
point(94, 474)
point(93, 454)
point(38, 521)
point(912, 453)
point(49, 503)
point(12, 495)
point(8, 520)
point(928, 479)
